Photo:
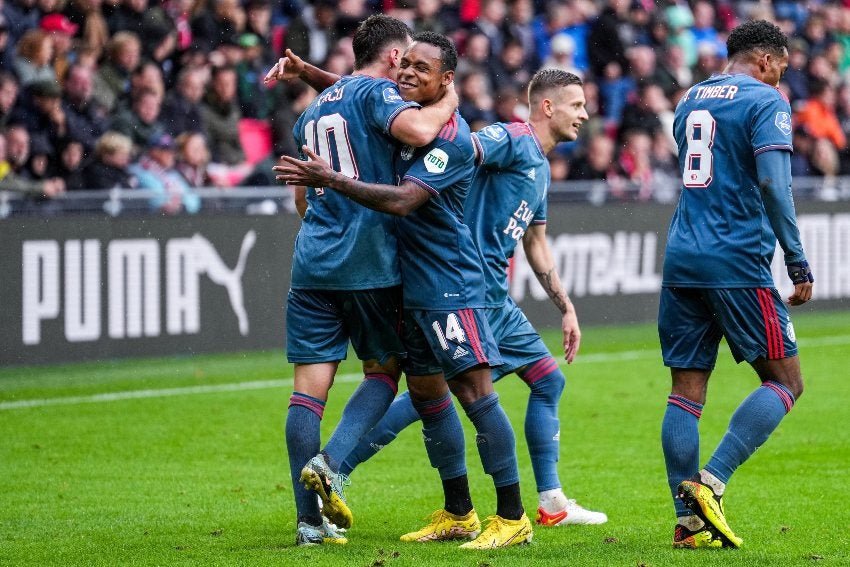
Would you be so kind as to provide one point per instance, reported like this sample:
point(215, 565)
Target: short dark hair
point(546, 79)
point(374, 34)
point(757, 34)
point(448, 52)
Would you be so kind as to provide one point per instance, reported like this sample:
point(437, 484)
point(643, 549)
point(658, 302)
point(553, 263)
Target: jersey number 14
point(699, 163)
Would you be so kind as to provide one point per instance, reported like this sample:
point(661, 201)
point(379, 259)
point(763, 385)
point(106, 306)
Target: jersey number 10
point(318, 134)
point(699, 163)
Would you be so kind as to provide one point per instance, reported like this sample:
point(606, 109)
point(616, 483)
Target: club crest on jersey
point(783, 122)
point(391, 95)
point(495, 132)
point(436, 161)
point(406, 153)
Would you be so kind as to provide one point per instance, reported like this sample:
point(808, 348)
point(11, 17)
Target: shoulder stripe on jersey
point(397, 112)
point(422, 184)
point(477, 143)
point(449, 131)
point(518, 129)
point(786, 147)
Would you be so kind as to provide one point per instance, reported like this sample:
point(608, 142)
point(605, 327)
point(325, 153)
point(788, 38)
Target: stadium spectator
point(140, 122)
point(477, 56)
point(596, 161)
point(21, 16)
point(87, 120)
point(642, 112)
point(256, 99)
point(33, 56)
point(224, 23)
point(192, 159)
point(41, 112)
point(313, 33)
point(609, 37)
point(61, 30)
point(818, 115)
point(108, 168)
point(491, 22)
point(112, 80)
point(69, 164)
point(8, 96)
point(147, 76)
point(155, 172)
point(509, 68)
point(520, 28)
point(93, 31)
point(561, 55)
point(632, 178)
point(476, 103)
point(14, 154)
point(430, 16)
point(221, 115)
point(181, 110)
point(258, 21)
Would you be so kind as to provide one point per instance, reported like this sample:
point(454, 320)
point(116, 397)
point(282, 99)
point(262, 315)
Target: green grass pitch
point(181, 461)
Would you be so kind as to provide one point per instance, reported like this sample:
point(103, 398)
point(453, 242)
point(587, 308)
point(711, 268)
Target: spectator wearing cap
point(61, 30)
point(112, 80)
point(140, 122)
point(258, 21)
point(156, 172)
point(562, 47)
point(33, 55)
point(87, 119)
point(181, 111)
point(40, 111)
point(256, 99)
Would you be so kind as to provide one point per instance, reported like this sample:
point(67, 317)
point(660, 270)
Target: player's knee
point(550, 386)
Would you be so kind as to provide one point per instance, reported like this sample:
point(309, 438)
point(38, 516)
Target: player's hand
point(313, 173)
point(802, 278)
point(288, 67)
point(572, 335)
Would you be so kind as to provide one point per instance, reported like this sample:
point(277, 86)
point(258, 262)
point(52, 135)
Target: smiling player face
point(568, 112)
point(420, 76)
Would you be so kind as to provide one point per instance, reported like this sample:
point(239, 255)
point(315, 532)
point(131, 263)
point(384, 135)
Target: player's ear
point(448, 77)
point(395, 57)
point(546, 105)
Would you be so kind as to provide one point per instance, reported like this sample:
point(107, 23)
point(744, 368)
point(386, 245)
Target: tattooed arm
point(540, 259)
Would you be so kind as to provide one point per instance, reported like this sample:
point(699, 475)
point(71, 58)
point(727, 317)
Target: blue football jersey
point(720, 235)
point(343, 245)
point(440, 264)
point(507, 195)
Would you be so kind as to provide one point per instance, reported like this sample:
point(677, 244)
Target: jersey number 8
point(699, 163)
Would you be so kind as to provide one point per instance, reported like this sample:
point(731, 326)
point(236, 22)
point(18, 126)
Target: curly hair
point(757, 34)
point(448, 52)
point(374, 35)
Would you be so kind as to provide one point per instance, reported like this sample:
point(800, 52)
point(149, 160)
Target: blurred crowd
point(168, 95)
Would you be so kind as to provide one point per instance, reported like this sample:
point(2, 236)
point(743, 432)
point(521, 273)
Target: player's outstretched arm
point(540, 259)
point(395, 200)
point(290, 66)
point(418, 127)
point(774, 173)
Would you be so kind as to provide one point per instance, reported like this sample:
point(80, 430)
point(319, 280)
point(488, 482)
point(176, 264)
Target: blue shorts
point(320, 324)
point(518, 342)
point(447, 341)
point(691, 322)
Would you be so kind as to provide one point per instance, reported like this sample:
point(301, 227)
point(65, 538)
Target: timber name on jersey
point(507, 195)
point(720, 235)
point(343, 245)
point(440, 264)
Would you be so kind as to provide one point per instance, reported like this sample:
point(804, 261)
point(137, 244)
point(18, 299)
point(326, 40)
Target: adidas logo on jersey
point(531, 174)
point(459, 352)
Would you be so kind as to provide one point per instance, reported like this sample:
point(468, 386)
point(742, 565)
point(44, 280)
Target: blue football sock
point(542, 427)
point(400, 414)
point(750, 426)
point(443, 435)
point(364, 409)
point(302, 443)
point(680, 443)
point(495, 439)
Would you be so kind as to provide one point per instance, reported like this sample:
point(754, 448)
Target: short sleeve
point(440, 167)
point(772, 125)
point(494, 144)
point(384, 104)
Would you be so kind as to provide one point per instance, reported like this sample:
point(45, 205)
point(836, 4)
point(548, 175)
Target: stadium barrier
point(85, 286)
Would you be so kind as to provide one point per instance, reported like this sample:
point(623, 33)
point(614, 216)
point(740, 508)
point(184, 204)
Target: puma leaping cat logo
point(210, 262)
